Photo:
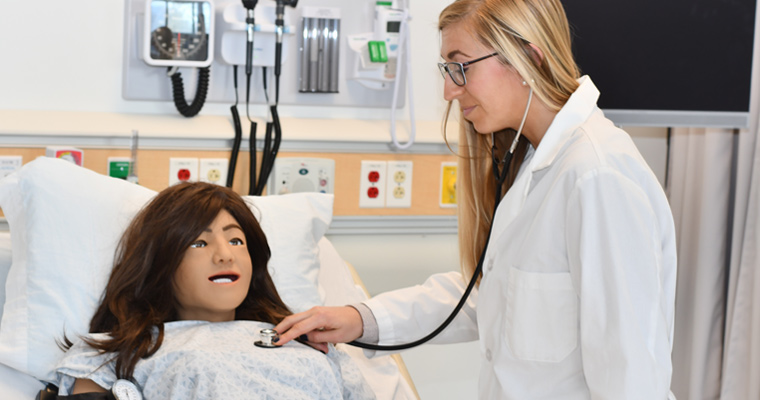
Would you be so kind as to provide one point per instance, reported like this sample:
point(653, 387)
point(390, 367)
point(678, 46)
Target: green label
point(118, 169)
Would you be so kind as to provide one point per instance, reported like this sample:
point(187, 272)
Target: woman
point(187, 297)
point(576, 296)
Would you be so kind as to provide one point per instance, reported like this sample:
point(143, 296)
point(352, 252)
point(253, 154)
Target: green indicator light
point(377, 51)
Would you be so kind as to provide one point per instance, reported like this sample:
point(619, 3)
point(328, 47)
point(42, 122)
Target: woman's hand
point(321, 325)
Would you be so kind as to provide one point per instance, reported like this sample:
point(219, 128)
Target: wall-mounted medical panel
point(323, 56)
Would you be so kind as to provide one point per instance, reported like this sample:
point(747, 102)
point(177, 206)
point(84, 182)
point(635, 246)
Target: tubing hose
point(178, 91)
point(235, 146)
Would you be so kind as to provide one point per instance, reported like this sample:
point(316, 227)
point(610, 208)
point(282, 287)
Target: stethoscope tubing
point(466, 293)
point(499, 177)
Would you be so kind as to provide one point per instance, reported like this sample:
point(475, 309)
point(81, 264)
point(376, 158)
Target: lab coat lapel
point(578, 108)
point(510, 205)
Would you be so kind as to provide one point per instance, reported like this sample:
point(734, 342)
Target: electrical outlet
point(372, 184)
point(448, 196)
point(398, 192)
point(183, 170)
point(213, 170)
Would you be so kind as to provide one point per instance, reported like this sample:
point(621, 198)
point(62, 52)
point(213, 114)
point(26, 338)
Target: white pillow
point(5, 265)
point(65, 222)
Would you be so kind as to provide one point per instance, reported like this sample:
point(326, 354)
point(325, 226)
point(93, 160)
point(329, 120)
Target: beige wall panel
point(153, 172)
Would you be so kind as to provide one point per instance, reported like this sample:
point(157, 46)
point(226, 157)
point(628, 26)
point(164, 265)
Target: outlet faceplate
point(213, 170)
point(372, 184)
point(398, 192)
point(183, 170)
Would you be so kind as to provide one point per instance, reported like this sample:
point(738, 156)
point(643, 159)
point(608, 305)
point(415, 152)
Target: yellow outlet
point(448, 184)
point(399, 177)
point(214, 175)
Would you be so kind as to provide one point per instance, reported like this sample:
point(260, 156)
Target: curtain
point(741, 360)
point(699, 190)
point(714, 191)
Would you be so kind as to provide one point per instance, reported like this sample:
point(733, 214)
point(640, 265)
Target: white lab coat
point(578, 293)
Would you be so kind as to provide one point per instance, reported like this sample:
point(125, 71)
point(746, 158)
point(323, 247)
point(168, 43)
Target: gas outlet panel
point(298, 174)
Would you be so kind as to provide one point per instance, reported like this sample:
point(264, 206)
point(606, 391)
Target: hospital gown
point(203, 360)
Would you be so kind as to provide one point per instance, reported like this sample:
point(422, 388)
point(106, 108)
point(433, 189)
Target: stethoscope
point(268, 335)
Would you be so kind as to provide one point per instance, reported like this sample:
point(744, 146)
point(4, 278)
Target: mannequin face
point(494, 97)
point(215, 273)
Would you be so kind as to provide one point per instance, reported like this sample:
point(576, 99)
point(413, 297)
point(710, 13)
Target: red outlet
point(183, 174)
point(374, 176)
point(372, 192)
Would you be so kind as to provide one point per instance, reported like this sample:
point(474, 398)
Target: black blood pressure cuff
point(370, 332)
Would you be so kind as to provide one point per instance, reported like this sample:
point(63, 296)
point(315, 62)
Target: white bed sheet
point(382, 373)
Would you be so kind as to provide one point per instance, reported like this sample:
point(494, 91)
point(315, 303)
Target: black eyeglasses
point(456, 70)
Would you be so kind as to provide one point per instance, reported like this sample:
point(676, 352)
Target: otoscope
point(273, 133)
point(279, 23)
point(249, 5)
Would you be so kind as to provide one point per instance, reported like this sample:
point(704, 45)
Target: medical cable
point(238, 133)
point(253, 185)
point(273, 132)
point(500, 177)
point(250, 22)
point(178, 91)
point(406, 47)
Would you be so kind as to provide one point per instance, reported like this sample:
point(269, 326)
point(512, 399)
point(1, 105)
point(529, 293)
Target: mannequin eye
point(198, 244)
point(236, 242)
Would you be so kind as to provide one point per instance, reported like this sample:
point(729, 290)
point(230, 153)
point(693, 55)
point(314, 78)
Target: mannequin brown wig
point(139, 296)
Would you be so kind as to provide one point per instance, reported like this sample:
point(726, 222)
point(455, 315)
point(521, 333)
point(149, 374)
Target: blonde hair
point(509, 27)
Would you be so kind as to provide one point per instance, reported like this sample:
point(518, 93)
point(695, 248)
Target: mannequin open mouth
point(224, 278)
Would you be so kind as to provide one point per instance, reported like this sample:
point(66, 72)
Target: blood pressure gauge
point(179, 33)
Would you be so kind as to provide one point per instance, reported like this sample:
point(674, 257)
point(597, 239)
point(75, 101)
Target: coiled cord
point(178, 91)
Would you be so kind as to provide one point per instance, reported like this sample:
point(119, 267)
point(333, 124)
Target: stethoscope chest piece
point(126, 390)
point(267, 338)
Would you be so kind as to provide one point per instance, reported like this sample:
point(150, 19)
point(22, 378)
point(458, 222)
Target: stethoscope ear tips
point(267, 338)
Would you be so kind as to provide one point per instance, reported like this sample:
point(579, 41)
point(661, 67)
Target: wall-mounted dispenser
point(320, 50)
point(375, 53)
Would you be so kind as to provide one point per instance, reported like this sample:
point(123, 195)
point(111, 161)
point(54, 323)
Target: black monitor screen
point(670, 55)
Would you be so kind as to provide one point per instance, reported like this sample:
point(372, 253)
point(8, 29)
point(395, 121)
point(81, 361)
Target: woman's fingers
point(323, 347)
point(322, 325)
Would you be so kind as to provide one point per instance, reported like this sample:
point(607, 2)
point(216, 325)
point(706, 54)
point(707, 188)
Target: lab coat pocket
point(542, 315)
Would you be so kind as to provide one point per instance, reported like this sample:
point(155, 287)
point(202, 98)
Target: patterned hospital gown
point(203, 360)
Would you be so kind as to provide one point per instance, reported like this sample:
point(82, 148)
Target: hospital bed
point(64, 221)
